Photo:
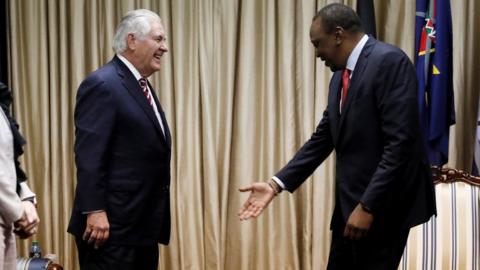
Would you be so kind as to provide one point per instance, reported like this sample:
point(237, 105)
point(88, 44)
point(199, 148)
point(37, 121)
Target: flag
point(476, 157)
point(366, 12)
point(433, 62)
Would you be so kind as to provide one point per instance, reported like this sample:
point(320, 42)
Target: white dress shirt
point(138, 77)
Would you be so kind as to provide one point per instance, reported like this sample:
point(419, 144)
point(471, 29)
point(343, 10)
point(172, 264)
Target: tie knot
point(143, 82)
point(346, 72)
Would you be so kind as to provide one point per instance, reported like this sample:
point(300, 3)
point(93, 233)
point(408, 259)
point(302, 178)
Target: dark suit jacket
point(122, 158)
point(380, 153)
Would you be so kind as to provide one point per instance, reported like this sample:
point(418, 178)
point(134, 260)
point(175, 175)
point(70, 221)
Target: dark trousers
point(377, 251)
point(115, 257)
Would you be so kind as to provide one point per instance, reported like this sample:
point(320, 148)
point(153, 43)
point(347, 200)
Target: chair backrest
point(37, 264)
point(451, 240)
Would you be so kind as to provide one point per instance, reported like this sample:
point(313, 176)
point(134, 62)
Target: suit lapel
point(334, 103)
point(166, 129)
point(133, 87)
point(356, 78)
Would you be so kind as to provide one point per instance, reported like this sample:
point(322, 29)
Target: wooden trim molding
point(448, 175)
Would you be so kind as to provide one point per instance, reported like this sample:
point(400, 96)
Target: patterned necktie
point(143, 84)
point(345, 82)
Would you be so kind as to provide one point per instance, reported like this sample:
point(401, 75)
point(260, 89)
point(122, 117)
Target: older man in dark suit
point(122, 152)
point(383, 182)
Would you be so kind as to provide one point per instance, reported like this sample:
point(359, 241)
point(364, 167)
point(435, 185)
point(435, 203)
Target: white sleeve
point(26, 193)
point(278, 181)
point(11, 208)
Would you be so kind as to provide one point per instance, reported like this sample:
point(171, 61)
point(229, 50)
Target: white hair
point(137, 22)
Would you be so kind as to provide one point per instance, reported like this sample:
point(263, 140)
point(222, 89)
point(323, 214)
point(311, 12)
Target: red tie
point(345, 81)
point(143, 84)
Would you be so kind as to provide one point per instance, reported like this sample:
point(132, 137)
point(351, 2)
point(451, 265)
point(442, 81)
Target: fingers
point(86, 234)
point(245, 189)
point(22, 223)
point(248, 204)
point(260, 196)
point(27, 231)
point(32, 217)
point(29, 227)
point(251, 209)
point(93, 236)
point(28, 224)
point(33, 231)
point(256, 211)
point(22, 234)
point(97, 229)
point(98, 240)
point(96, 237)
point(354, 233)
point(245, 214)
point(106, 235)
point(101, 238)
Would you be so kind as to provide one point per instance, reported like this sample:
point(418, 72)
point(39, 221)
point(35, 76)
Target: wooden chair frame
point(447, 175)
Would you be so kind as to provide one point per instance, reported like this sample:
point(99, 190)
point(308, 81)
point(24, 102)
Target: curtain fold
point(242, 91)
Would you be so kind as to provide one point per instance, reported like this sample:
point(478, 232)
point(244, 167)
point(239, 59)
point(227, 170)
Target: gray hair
point(137, 22)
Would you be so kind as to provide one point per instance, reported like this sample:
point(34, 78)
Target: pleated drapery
point(242, 91)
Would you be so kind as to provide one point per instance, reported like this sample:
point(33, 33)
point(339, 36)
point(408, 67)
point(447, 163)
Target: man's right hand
point(27, 225)
point(261, 194)
point(21, 227)
point(97, 229)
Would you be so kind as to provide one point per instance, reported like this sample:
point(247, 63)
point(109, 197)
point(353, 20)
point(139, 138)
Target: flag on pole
point(433, 62)
point(366, 12)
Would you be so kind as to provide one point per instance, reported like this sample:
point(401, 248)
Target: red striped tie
point(143, 84)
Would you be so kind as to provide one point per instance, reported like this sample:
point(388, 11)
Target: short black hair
point(336, 14)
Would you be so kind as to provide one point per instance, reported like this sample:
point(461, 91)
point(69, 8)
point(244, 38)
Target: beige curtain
point(242, 91)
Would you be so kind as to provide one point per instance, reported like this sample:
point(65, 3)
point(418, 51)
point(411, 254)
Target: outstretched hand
point(261, 194)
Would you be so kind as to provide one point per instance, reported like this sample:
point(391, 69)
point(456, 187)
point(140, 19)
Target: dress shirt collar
point(353, 58)
point(130, 67)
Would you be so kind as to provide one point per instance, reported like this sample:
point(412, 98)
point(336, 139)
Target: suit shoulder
point(103, 76)
point(388, 52)
point(387, 57)
point(106, 73)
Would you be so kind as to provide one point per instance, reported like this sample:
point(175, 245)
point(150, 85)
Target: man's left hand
point(358, 224)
